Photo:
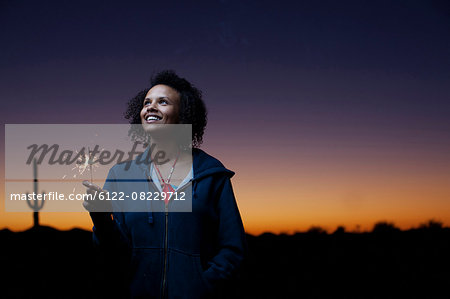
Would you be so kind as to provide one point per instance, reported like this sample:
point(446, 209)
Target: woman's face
point(161, 106)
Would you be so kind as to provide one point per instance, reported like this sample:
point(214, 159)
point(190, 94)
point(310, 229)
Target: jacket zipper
point(150, 180)
point(166, 232)
point(166, 209)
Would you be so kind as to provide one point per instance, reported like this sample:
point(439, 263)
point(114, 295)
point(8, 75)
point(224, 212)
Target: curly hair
point(192, 108)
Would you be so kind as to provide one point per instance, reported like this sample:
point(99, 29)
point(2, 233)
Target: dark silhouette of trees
point(339, 230)
point(317, 230)
point(432, 225)
point(384, 227)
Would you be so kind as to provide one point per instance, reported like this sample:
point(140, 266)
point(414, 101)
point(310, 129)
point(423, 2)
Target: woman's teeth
point(152, 118)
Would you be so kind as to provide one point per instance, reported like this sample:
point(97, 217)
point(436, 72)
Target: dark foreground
point(386, 263)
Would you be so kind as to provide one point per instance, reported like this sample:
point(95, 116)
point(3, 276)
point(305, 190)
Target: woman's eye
point(146, 103)
point(163, 102)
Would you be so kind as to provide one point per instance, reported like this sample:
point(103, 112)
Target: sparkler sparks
point(84, 162)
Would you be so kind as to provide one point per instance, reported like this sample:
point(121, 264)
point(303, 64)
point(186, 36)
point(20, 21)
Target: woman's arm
point(108, 232)
point(109, 229)
point(231, 239)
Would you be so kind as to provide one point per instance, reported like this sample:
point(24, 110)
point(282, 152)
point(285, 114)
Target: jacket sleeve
point(109, 230)
point(232, 242)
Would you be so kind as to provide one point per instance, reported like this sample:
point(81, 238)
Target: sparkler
point(84, 162)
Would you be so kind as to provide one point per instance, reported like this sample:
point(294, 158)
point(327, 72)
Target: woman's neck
point(164, 150)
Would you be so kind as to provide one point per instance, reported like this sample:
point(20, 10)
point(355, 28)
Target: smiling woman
point(195, 254)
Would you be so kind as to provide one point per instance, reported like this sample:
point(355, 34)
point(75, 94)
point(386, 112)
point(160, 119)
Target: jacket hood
point(205, 165)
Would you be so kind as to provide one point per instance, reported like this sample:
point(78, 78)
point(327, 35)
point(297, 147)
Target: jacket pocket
point(198, 266)
point(185, 279)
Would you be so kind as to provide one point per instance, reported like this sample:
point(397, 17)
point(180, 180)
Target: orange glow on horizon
point(294, 192)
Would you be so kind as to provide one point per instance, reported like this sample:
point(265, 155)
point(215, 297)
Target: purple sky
point(334, 62)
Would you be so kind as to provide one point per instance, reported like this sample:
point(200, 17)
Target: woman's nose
point(151, 107)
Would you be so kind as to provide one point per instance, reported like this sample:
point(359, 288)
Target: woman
point(175, 255)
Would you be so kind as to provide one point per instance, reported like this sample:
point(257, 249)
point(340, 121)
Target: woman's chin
point(159, 129)
point(152, 126)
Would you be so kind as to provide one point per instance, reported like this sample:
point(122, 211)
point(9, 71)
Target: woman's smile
point(152, 118)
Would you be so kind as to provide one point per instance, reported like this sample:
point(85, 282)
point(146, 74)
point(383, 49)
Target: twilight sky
point(330, 112)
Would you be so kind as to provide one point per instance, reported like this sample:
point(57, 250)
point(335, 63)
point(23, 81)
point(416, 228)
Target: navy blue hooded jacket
point(180, 254)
